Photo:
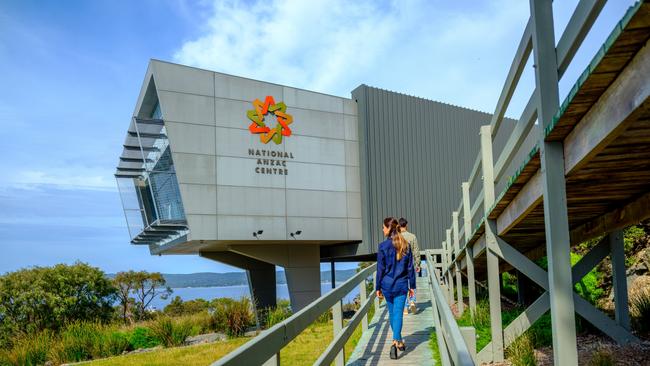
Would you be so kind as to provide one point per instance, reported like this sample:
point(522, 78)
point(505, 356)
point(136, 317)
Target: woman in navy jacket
point(395, 278)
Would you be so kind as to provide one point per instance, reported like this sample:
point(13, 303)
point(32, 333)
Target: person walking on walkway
point(415, 249)
point(395, 278)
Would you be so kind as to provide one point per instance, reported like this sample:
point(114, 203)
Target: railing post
point(443, 271)
point(469, 335)
point(556, 221)
point(494, 287)
point(450, 275)
point(459, 279)
point(273, 361)
point(374, 281)
point(337, 319)
point(362, 299)
point(469, 257)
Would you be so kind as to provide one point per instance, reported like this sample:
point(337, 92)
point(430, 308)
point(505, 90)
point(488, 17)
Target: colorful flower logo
point(258, 115)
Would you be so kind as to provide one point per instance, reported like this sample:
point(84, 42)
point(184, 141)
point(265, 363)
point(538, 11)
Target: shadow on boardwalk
point(374, 345)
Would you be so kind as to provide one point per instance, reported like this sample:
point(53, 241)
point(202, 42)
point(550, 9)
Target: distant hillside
point(211, 279)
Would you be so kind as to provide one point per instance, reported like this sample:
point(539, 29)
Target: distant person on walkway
point(415, 249)
point(395, 278)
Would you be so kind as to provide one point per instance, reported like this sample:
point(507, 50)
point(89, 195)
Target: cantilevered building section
point(254, 174)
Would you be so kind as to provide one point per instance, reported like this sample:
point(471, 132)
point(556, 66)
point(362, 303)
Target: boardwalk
point(374, 345)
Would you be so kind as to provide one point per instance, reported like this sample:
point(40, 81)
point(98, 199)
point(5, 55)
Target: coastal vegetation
point(71, 313)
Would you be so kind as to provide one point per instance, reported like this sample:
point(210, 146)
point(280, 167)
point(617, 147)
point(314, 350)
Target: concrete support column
point(565, 350)
point(303, 276)
point(261, 275)
point(469, 257)
point(619, 279)
point(301, 266)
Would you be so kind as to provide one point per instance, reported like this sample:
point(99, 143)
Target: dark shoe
point(402, 347)
point(393, 352)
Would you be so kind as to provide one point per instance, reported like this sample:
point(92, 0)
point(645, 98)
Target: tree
point(124, 284)
point(144, 286)
point(179, 307)
point(48, 297)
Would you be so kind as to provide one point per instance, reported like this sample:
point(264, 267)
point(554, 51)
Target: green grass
point(203, 354)
point(433, 344)
point(303, 350)
point(521, 352)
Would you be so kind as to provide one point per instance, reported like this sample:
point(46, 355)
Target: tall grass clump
point(29, 350)
point(142, 337)
point(521, 352)
point(324, 317)
point(199, 323)
point(113, 342)
point(233, 317)
point(601, 357)
point(275, 315)
point(170, 333)
point(482, 314)
point(641, 310)
point(78, 341)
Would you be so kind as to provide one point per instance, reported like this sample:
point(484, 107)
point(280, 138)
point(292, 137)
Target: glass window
point(157, 113)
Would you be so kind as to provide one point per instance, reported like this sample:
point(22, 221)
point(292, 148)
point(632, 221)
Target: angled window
point(147, 182)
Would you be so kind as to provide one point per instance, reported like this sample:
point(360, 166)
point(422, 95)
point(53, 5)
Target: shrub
point(179, 307)
point(601, 357)
point(233, 317)
point(641, 310)
point(588, 287)
point(350, 307)
point(170, 333)
point(521, 352)
point(482, 314)
point(509, 286)
point(79, 341)
point(114, 343)
point(199, 323)
point(276, 314)
point(142, 337)
point(541, 331)
point(324, 317)
point(41, 298)
point(28, 350)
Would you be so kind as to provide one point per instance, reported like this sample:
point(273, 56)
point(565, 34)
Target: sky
point(70, 73)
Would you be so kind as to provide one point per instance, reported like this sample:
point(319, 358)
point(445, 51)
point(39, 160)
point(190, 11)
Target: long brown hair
point(399, 243)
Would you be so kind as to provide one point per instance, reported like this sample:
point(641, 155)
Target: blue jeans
point(395, 306)
point(409, 299)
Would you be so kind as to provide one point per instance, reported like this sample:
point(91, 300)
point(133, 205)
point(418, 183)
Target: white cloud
point(457, 55)
point(68, 178)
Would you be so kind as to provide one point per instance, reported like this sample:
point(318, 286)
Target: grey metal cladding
point(414, 155)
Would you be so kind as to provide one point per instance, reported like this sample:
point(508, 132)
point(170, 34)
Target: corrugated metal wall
point(414, 154)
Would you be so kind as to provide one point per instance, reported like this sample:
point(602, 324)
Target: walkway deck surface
point(374, 345)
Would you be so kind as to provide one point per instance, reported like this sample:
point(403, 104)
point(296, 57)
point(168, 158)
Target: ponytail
point(399, 243)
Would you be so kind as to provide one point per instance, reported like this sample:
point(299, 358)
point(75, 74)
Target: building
point(255, 174)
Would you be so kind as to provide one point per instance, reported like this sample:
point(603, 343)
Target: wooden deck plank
point(374, 346)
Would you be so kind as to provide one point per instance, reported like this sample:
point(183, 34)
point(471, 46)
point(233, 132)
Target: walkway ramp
point(374, 345)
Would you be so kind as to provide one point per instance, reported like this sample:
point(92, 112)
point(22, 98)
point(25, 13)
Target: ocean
point(235, 292)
